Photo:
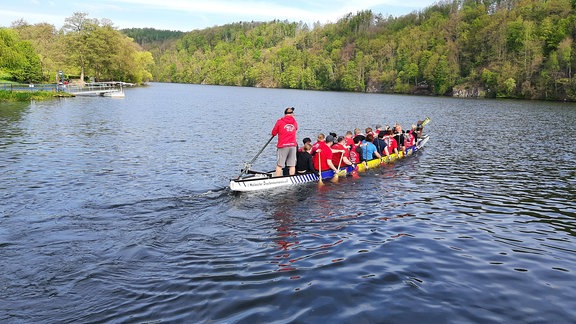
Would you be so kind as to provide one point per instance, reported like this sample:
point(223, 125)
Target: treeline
point(147, 36)
point(83, 48)
point(493, 48)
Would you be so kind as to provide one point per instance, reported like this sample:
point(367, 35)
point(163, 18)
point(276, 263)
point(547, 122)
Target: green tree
point(565, 50)
point(509, 86)
point(98, 48)
point(46, 41)
point(77, 30)
point(18, 60)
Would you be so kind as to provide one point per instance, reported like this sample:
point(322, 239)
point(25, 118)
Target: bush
point(6, 95)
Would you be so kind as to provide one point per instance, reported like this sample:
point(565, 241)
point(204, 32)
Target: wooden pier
point(108, 89)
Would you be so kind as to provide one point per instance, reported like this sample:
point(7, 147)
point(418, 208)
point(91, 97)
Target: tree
point(46, 41)
point(18, 60)
point(97, 47)
point(77, 30)
point(565, 56)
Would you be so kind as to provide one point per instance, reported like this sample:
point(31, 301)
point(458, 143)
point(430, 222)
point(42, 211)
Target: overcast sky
point(187, 15)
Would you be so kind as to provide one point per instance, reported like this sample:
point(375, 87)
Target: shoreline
point(15, 95)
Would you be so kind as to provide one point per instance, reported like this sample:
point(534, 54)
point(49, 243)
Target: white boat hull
point(115, 94)
point(260, 182)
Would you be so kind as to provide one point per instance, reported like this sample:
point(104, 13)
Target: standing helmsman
point(286, 128)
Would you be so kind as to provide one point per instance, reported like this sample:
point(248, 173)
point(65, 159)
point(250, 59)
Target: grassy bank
point(6, 95)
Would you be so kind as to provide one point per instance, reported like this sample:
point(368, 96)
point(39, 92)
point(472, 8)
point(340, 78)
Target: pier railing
point(95, 89)
point(28, 87)
point(98, 88)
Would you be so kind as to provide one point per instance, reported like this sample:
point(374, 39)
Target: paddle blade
point(335, 178)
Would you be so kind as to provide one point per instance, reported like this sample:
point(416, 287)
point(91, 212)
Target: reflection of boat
point(254, 180)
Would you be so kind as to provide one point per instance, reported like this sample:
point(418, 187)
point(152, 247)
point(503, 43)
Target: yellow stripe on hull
point(376, 163)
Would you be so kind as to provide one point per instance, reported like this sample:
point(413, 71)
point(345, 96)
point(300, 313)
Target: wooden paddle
point(320, 183)
point(335, 179)
point(426, 121)
point(247, 166)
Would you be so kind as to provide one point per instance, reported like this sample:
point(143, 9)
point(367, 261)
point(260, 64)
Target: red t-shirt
point(324, 155)
point(410, 139)
point(391, 144)
point(286, 128)
point(336, 156)
point(354, 156)
point(349, 142)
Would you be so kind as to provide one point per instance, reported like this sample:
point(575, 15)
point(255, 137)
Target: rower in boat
point(340, 153)
point(322, 153)
point(286, 128)
point(304, 160)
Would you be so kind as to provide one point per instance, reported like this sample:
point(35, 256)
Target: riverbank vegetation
point(6, 95)
point(83, 49)
point(489, 48)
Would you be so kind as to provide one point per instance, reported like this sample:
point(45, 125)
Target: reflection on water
point(10, 115)
point(117, 211)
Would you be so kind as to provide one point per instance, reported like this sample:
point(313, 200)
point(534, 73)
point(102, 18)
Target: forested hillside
point(151, 37)
point(493, 48)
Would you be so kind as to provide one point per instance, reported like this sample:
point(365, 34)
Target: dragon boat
point(251, 180)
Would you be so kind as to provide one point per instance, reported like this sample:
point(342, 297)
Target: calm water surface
point(116, 210)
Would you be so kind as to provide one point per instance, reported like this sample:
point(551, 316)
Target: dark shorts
point(286, 156)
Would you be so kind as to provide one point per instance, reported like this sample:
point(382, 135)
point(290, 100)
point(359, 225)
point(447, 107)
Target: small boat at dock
point(115, 94)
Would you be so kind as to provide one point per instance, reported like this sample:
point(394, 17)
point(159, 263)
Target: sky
point(187, 15)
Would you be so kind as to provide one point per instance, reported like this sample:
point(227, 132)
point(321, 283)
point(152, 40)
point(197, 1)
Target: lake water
point(117, 210)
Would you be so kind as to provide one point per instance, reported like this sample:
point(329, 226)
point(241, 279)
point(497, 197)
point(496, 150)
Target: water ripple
point(114, 211)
